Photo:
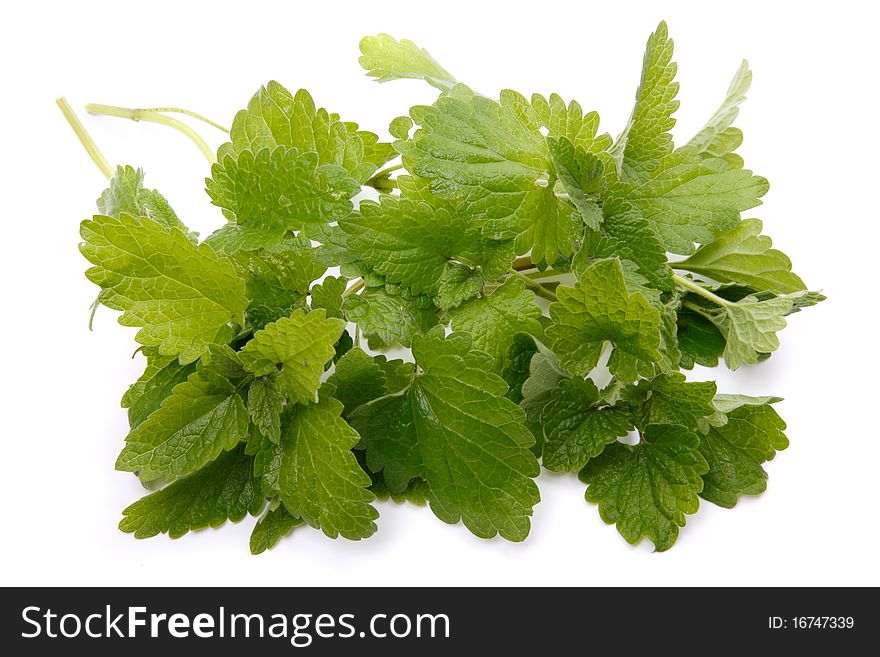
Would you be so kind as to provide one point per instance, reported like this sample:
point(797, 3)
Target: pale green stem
point(384, 173)
point(699, 289)
point(537, 288)
point(85, 138)
point(180, 110)
point(697, 309)
point(355, 287)
point(547, 273)
point(382, 184)
point(154, 117)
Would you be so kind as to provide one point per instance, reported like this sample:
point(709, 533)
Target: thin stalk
point(384, 173)
point(180, 110)
point(690, 305)
point(537, 288)
point(355, 287)
point(382, 184)
point(85, 138)
point(381, 181)
point(698, 289)
point(154, 117)
point(547, 273)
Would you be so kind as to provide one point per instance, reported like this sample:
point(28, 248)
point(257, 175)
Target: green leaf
point(296, 347)
point(225, 489)
point(276, 282)
point(493, 155)
point(494, 320)
point(127, 195)
point(582, 175)
point(458, 284)
point(701, 343)
point(160, 377)
point(181, 294)
point(649, 488)
point(392, 319)
point(577, 427)
point(272, 527)
point(626, 234)
point(735, 451)
point(343, 346)
point(749, 327)
point(600, 309)
point(672, 399)
point(398, 373)
point(742, 255)
point(805, 299)
point(385, 58)
point(646, 139)
point(415, 493)
point(275, 117)
point(319, 478)
point(569, 122)
point(223, 361)
point(328, 295)
point(670, 351)
point(273, 191)
point(400, 126)
point(376, 153)
point(726, 404)
point(265, 403)
point(453, 427)
point(479, 257)
point(718, 138)
point(408, 242)
point(203, 416)
point(267, 461)
point(545, 373)
point(518, 362)
point(688, 199)
point(358, 378)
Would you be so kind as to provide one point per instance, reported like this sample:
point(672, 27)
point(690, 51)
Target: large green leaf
point(225, 489)
point(454, 428)
point(319, 478)
point(648, 489)
point(181, 295)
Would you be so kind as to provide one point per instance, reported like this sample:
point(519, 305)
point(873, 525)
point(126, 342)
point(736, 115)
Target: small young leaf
point(265, 402)
point(127, 195)
point(718, 138)
point(600, 309)
point(385, 58)
point(296, 347)
point(645, 139)
point(357, 379)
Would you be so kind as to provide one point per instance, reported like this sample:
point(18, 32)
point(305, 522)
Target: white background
point(811, 128)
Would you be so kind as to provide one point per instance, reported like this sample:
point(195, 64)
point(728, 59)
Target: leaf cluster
point(548, 284)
